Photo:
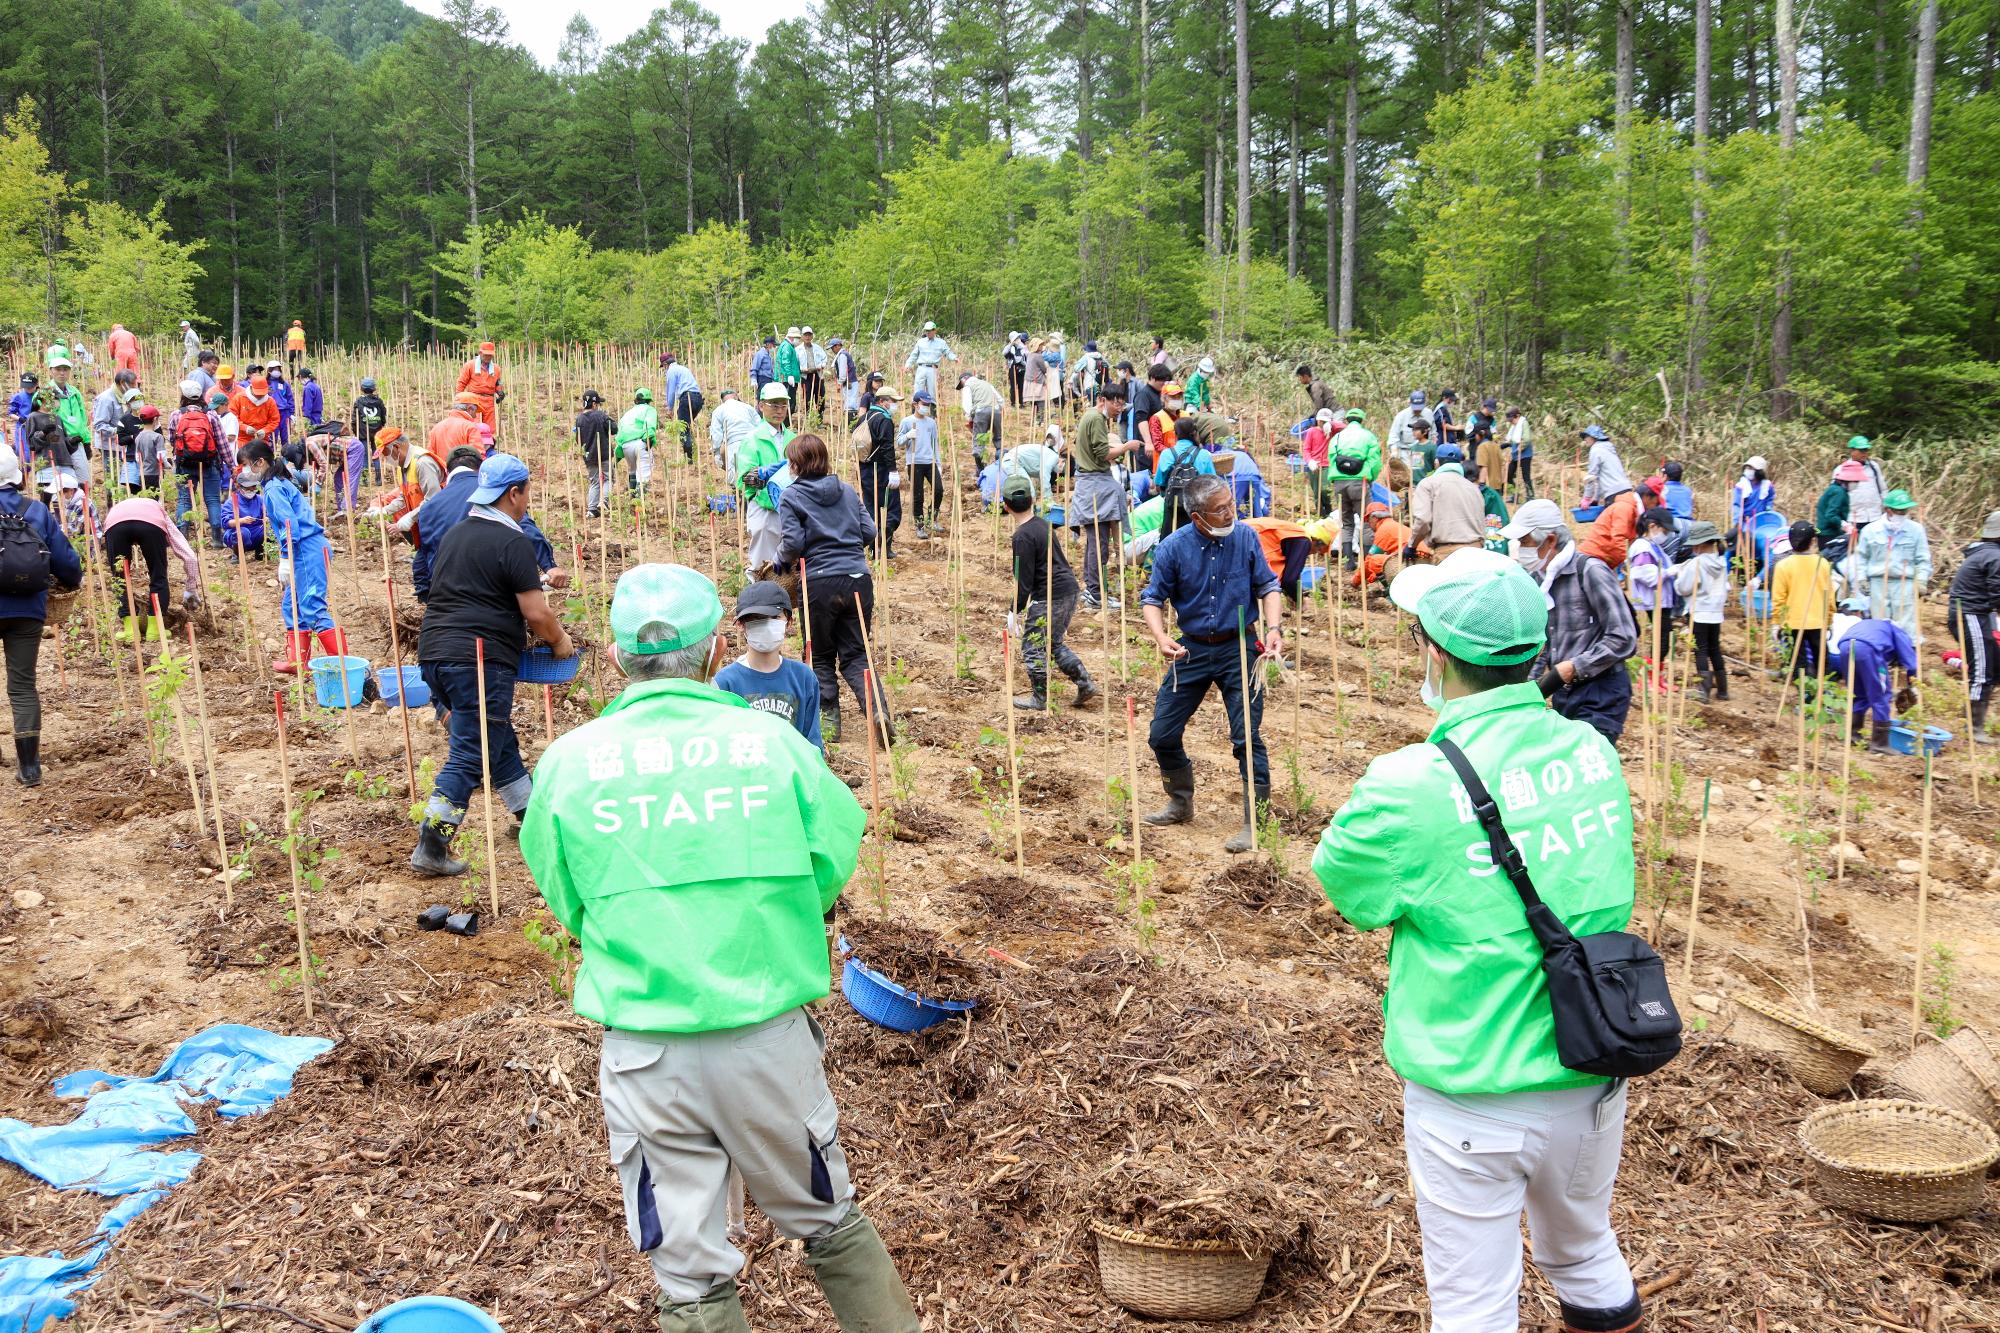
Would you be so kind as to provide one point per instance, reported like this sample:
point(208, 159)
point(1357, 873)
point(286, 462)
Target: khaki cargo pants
point(683, 1108)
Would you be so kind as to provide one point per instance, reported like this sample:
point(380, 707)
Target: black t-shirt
point(1032, 551)
point(370, 414)
point(593, 429)
point(480, 570)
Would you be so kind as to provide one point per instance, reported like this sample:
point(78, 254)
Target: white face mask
point(1528, 557)
point(764, 635)
point(1220, 532)
point(1432, 691)
point(1893, 518)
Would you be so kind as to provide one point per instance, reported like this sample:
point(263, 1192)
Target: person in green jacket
point(1831, 514)
point(1200, 392)
point(638, 432)
point(758, 459)
point(692, 845)
point(1492, 1120)
point(1354, 460)
point(788, 366)
point(69, 408)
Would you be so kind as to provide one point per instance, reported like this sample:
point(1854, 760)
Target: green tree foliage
point(121, 267)
point(1040, 163)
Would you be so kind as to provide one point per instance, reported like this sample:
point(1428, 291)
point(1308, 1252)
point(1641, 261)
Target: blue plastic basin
point(1756, 602)
point(541, 666)
point(1903, 738)
point(408, 692)
point(327, 673)
point(431, 1314)
point(1587, 514)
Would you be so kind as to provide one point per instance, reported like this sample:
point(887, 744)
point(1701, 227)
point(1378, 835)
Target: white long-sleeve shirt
point(1703, 581)
point(731, 423)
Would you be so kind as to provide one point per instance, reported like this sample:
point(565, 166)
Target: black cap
point(763, 598)
point(1802, 534)
point(1659, 516)
point(770, 340)
point(29, 381)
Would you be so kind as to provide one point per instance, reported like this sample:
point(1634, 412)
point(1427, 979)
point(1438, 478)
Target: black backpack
point(1614, 1015)
point(24, 558)
point(1181, 473)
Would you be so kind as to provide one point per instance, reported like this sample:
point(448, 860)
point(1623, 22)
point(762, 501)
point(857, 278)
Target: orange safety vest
point(295, 340)
point(1272, 534)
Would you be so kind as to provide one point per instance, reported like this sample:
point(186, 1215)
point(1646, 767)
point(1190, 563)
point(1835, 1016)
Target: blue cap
point(1416, 398)
point(1596, 433)
point(1450, 453)
point(496, 474)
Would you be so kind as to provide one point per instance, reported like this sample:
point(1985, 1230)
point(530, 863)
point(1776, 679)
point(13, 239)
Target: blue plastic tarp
point(107, 1147)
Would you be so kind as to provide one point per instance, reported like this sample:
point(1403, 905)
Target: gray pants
point(22, 640)
point(1353, 493)
point(595, 500)
point(682, 1109)
point(1100, 553)
point(1043, 633)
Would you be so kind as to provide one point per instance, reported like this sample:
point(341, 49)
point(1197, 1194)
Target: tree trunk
point(1541, 37)
point(1332, 212)
point(1622, 129)
point(367, 276)
point(1292, 192)
point(103, 108)
point(472, 201)
point(1243, 153)
point(1698, 205)
point(1783, 406)
point(1751, 110)
point(1349, 182)
point(1145, 58)
point(235, 240)
point(1923, 94)
point(333, 215)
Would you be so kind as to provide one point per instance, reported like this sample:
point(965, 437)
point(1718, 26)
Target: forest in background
point(1776, 209)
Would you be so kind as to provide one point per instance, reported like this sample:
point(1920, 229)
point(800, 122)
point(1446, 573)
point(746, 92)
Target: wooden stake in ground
point(1923, 909)
point(1694, 899)
point(486, 775)
point(1243, 663)
point(1013, 755)
point(346, 692)
point(292, 855)
point(180, 721)
point(1846, 770)
point(208, 759)
point(256, 661)
point(396, 650)
point(868, 658)
point(1971, 735)
point(139, 661)
point(1799, 883)
point(1132, 778)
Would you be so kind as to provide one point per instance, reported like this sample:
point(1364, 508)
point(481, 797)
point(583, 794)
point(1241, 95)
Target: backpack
point(24, 557)
point(1181, 473)
point(1346, 464)
point(195, 435)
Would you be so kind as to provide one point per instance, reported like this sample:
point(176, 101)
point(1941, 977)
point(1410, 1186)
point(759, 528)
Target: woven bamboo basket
point(1962, 1073)
point(1177, 1279)
point(1898, 1161)
point(1823, 1058)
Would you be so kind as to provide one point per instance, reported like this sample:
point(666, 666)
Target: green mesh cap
point(1479, 606)
point(675, 596)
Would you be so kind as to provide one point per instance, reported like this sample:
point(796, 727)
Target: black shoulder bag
point(1614, 1015)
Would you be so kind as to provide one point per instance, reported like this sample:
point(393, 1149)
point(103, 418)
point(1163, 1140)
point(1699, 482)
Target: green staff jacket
point(1356, 442)
point(765, 446)
point(1467, 1009)
point(693, 845)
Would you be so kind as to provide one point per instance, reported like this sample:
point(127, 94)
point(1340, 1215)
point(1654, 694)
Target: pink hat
point(1850, 471)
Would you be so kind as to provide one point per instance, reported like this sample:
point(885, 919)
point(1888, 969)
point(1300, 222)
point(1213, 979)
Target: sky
point(538, 24)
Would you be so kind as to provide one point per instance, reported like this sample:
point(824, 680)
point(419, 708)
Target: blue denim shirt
point(1208, 579)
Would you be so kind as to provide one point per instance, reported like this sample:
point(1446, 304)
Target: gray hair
point(1561, 531)
point(1202, 492)
point(679, 664)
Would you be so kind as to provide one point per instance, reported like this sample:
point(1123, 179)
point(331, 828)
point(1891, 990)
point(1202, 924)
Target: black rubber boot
point(28, 760)
point(1980, 735)
point(1033, 701)
point(1086, 692)
point(433, 853)
point(1179, 809)
point(1878, 738)
point(829, 726)
point(1627, 1318)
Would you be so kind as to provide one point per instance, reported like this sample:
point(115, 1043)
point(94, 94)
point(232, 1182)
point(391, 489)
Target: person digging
point(1213, 572)
point(693, 844)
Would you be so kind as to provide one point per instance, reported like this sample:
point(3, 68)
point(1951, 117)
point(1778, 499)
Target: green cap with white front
point(679, 601)
point(1479, 606)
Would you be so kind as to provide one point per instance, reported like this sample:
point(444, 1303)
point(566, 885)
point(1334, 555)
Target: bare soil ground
point(1211, 1066)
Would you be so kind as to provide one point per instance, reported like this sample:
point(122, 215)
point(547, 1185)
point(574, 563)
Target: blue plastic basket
point(407, 692)
point(431, 1314)
point(1057, 516)
point(1756, 602)
point(1296, 462)
point(1903, 738)
point(1766, 528)
point(721, 504)
point(326, 674)
point(541, 666)
point(885, 1004)
point(1309, 579)
point(1586, 514)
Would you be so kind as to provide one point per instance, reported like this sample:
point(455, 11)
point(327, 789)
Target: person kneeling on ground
point(1493, 1122)
point(692, 844)
point(485, 594)
point(1045, 595)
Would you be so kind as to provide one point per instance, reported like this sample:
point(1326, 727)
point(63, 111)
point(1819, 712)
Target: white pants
point(764, 532)
point(640, 456)
point(926, 380)
point(1477, 1161)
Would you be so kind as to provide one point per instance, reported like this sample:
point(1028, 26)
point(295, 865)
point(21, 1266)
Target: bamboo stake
point(208, 759)
point(1694, 900)
point(1799, 881)
point(868, 656)
point(1013, 756)
point(180, 725)
point(1846, 770)
point(346, 697)
point(292, 856)
point(486, 775)
point(255, 660)
point(1923, 909)
point(396, 649)
point(1132, 778)
point(139, 660)
point(1971, 735)
point(1249, 735)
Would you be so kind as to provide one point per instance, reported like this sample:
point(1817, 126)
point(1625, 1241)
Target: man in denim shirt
point(1214, 573)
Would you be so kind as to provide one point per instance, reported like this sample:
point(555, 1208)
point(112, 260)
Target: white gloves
point(895, 481)
point(1013, 625)
point(284, 570)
